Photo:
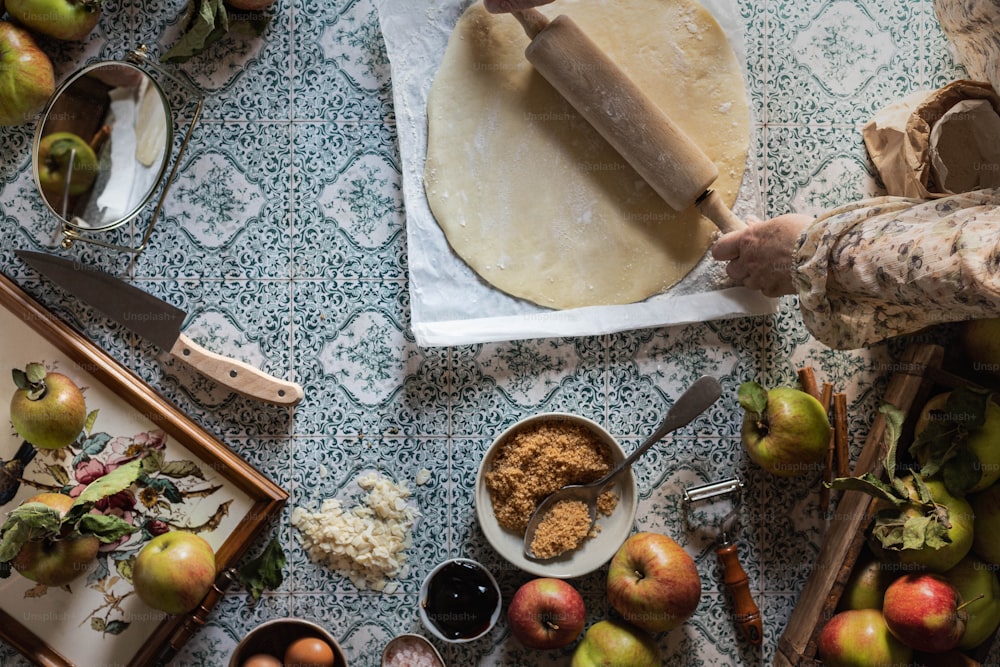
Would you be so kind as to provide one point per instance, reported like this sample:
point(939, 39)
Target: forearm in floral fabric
point(890, 266)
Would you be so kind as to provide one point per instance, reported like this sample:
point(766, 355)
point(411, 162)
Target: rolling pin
point(660, 151)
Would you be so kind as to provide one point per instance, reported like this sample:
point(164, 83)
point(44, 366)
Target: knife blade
point(160, 323)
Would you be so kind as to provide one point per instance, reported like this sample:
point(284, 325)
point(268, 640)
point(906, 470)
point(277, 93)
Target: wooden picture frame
point(30, 333)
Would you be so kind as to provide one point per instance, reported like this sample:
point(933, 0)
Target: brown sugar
point(538, 460)
point(564, 527)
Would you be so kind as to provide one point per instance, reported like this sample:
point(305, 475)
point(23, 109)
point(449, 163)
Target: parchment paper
point(449, 303)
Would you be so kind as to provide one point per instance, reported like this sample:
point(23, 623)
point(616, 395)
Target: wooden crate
point(918, 372)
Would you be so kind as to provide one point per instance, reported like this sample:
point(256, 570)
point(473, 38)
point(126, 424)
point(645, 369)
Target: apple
point(653, 583)
point(983, 443)
point(986, 506)
point(174, 571)
point(614, 642)
point(980, 341)
point(860, 638)
point(56, 561)
point(979, 587)
point(785, 431)
point(27, 80)
point(47, 408)
point(54, 151)
point(866, 585)
point(924, 611)
point(546, 613)
point(68, 20)
point(960, 526)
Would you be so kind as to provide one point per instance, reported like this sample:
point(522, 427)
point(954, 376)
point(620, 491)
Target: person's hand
point(760, 256)
point(507, 6)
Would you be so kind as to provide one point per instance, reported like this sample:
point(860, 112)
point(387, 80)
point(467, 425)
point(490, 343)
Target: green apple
point(986, 505)
point(653, 582)
point(615, 642)
point(785, 431)
point(980, 341)
point(54, 151)
point(27, 80)
point(860, 638)
point(174, 571)
point(47, 408)
point(979, 587)
point(69, 20)
point(56, 561)
point(865, 588)
point(959, 526)
point(982, 444)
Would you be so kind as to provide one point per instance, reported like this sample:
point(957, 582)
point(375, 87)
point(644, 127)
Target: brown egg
point(309, 652)
point(261, 660)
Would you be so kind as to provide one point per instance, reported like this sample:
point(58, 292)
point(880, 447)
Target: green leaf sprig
point(912, 519)
point(265, 571)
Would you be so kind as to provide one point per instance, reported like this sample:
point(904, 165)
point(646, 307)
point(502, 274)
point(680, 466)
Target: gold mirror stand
point(71, 234)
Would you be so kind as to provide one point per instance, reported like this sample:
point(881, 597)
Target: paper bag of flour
point(932, 144)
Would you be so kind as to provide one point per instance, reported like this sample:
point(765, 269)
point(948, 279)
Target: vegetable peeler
point(747, 614)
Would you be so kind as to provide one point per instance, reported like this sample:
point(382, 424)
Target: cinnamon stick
point(840, 439)
point(807, 380)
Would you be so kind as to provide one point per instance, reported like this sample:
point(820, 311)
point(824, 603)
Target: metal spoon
point(703, 393)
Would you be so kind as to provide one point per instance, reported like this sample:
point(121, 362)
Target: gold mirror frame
point(75, 229)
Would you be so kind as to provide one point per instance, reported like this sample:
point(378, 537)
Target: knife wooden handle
point(747, 614)
point(238, 376)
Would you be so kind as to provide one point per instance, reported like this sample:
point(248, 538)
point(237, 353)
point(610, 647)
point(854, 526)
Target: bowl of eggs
point(288, 642)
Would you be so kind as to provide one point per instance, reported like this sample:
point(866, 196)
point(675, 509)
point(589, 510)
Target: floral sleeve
point(890, 266)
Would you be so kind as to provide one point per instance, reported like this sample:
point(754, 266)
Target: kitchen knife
point(160, 323)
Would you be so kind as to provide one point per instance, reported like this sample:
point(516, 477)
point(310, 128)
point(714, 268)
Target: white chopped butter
point(366, 543)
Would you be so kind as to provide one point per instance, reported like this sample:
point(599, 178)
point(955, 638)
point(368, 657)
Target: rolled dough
point(531, 197)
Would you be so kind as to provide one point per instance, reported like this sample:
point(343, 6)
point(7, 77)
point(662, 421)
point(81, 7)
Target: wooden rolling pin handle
point(660, 151)
point(532, 20)
point(748, 618)
point(712, 207)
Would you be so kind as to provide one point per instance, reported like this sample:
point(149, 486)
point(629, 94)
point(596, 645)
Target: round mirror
point(102, 145)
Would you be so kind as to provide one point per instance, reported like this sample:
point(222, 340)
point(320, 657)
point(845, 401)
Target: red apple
point(174, 571)
point(56, 561)
point(614, 642)
point(653, 583)
point(860, 638)
point(979, 587)
point(70, 20)
point(47, 408)
point(546, 613)
point(923, 610)
point(26, 77)
point(785, 430)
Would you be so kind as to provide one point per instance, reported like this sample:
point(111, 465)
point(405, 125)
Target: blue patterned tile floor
point(284, 239)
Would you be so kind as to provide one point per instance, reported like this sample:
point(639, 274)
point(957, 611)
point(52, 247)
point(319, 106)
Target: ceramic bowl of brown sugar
point(530, 460)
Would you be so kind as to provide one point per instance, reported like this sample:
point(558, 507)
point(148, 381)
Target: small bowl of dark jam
point(459, 601)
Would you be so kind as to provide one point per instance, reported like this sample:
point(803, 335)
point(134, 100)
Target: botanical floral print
point(889, 266)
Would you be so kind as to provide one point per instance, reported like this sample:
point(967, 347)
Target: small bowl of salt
point(411, 651)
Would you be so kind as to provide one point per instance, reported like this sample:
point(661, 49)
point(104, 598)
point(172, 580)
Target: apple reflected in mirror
point(57, 153)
